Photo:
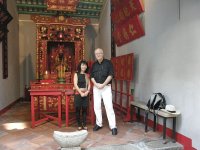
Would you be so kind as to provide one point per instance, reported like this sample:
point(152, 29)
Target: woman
point(82, 87)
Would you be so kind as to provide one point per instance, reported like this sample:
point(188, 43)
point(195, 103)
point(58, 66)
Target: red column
point(67, 110)
point(59, 111)
point(32, 112)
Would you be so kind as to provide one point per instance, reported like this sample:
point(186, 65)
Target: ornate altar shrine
point(60, 47)
point(59, 40)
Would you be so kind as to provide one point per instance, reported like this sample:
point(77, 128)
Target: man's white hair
point(99, 50)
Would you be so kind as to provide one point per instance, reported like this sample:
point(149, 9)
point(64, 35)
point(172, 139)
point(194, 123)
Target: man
point(102, 73)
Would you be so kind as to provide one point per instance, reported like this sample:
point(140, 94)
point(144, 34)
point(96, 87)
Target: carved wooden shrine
point(58, 38)
point(60, 47)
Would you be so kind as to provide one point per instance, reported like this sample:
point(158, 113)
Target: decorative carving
point(5, 18)
point(49, 103)
point(51, 37)
point(66, 21)
point(62, 5)
point(60, 32)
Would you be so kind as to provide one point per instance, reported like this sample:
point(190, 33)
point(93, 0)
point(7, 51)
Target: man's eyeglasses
point(98, 53)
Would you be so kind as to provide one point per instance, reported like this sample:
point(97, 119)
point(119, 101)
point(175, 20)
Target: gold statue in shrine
point(61, 65)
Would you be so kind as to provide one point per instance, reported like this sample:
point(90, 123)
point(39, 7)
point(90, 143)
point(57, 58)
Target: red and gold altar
point(60, 47)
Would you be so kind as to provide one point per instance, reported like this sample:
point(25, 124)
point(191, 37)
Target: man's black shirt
point(100, 71)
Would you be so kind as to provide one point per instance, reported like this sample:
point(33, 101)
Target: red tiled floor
point(16, 132)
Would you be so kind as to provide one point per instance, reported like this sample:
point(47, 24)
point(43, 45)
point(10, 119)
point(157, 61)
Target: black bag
point(157, 101)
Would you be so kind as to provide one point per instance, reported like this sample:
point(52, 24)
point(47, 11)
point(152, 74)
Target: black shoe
point(96, 128)
point(114, 131)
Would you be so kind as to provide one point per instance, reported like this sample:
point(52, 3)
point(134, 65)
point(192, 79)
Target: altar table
point(60, 92)
point(44, 92)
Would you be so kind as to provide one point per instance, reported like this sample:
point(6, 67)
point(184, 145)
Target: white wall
point(104, 35)
point(90, 42)
point(168, 59)
point(9, 89)
point(27, 55)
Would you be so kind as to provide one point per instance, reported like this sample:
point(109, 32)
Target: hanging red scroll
point(123, 11)
point(128, 31)
point(62, 5)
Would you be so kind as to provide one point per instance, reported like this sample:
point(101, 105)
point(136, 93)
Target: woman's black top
point(81, 80)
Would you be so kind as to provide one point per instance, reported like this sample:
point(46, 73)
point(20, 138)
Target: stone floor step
point(159, 145)
point(143, 145)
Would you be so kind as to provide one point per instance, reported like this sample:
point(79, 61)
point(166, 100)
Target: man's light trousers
point(106, 95)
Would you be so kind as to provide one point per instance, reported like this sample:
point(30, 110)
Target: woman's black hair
point(79, 66)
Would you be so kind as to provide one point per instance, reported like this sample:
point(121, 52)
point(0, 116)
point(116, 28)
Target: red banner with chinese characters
point(126, 9)
point(114, 62)
point(129, 67)
point(64, 5)
point(123, 67)
point(128, 31)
